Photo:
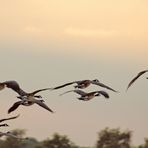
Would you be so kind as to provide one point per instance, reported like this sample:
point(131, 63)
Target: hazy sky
point(50, 42)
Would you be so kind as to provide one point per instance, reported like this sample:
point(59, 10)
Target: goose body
point(88, 96)
point(27, 99)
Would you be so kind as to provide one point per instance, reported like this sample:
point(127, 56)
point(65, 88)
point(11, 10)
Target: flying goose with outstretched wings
point(85, 83)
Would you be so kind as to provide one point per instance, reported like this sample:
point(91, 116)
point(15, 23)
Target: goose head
point(96, 80)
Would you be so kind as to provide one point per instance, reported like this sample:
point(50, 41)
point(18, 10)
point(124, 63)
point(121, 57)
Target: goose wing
point(64, 85)
point(136, 77)
point(80, 92)
point(105, 94)
point(14, 86)
point(9, 118)
point(10, 134)
point(4, 125)
point(104, 86)
point(35, 92)
point(14, 106)
point(40, 103)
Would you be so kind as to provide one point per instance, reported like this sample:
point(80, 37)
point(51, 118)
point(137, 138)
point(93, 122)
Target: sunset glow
point(45, 43)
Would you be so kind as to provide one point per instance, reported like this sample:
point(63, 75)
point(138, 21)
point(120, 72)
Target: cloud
point(32, 29)
point(79, 32)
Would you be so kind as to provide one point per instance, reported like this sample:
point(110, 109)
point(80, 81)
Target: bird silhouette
point(15, 87)
point(10, 134)
point(5, 119)
point(29, 103)
point(136, 77)
point(88, 96)
point(4, 125)
point(85, 83)
point(27, 99)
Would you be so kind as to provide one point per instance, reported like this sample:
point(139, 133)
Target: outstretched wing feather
point(14, 106)
point(80, 92)
point(40, 103)
point(105, 94)
point(136, 77)
point(14, 86)
point(105, 86)
point(39, 90)
point(9, 118)
point(64, 85)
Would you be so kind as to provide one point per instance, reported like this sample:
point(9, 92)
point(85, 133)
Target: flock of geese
point(28, 99)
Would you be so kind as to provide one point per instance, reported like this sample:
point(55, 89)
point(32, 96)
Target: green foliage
point(145, 145)
point(11, 142)
point(58, 142)
point(107, 138)
point(113, 138)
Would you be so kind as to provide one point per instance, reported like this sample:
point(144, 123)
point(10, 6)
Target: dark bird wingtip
point(9, 111)
point(108, 97)
point(127, 88)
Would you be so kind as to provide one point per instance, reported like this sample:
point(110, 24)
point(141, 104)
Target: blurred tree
point(58, 141)
point(30, 143)
point(1, 143)
point(11, 142)
point(107, 138)
point(145, 145)
point(113, 138)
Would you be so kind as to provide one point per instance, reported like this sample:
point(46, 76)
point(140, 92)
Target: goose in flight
point(85, 83)
point(7, 119)
point(15, 87)
point(136, 77)
point(29, 103)
point(27, 99)
point(88, 96)
point(10, 134)
point(4, 125)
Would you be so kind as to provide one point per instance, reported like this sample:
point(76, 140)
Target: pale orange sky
point(51, 42)
point(102, 23)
